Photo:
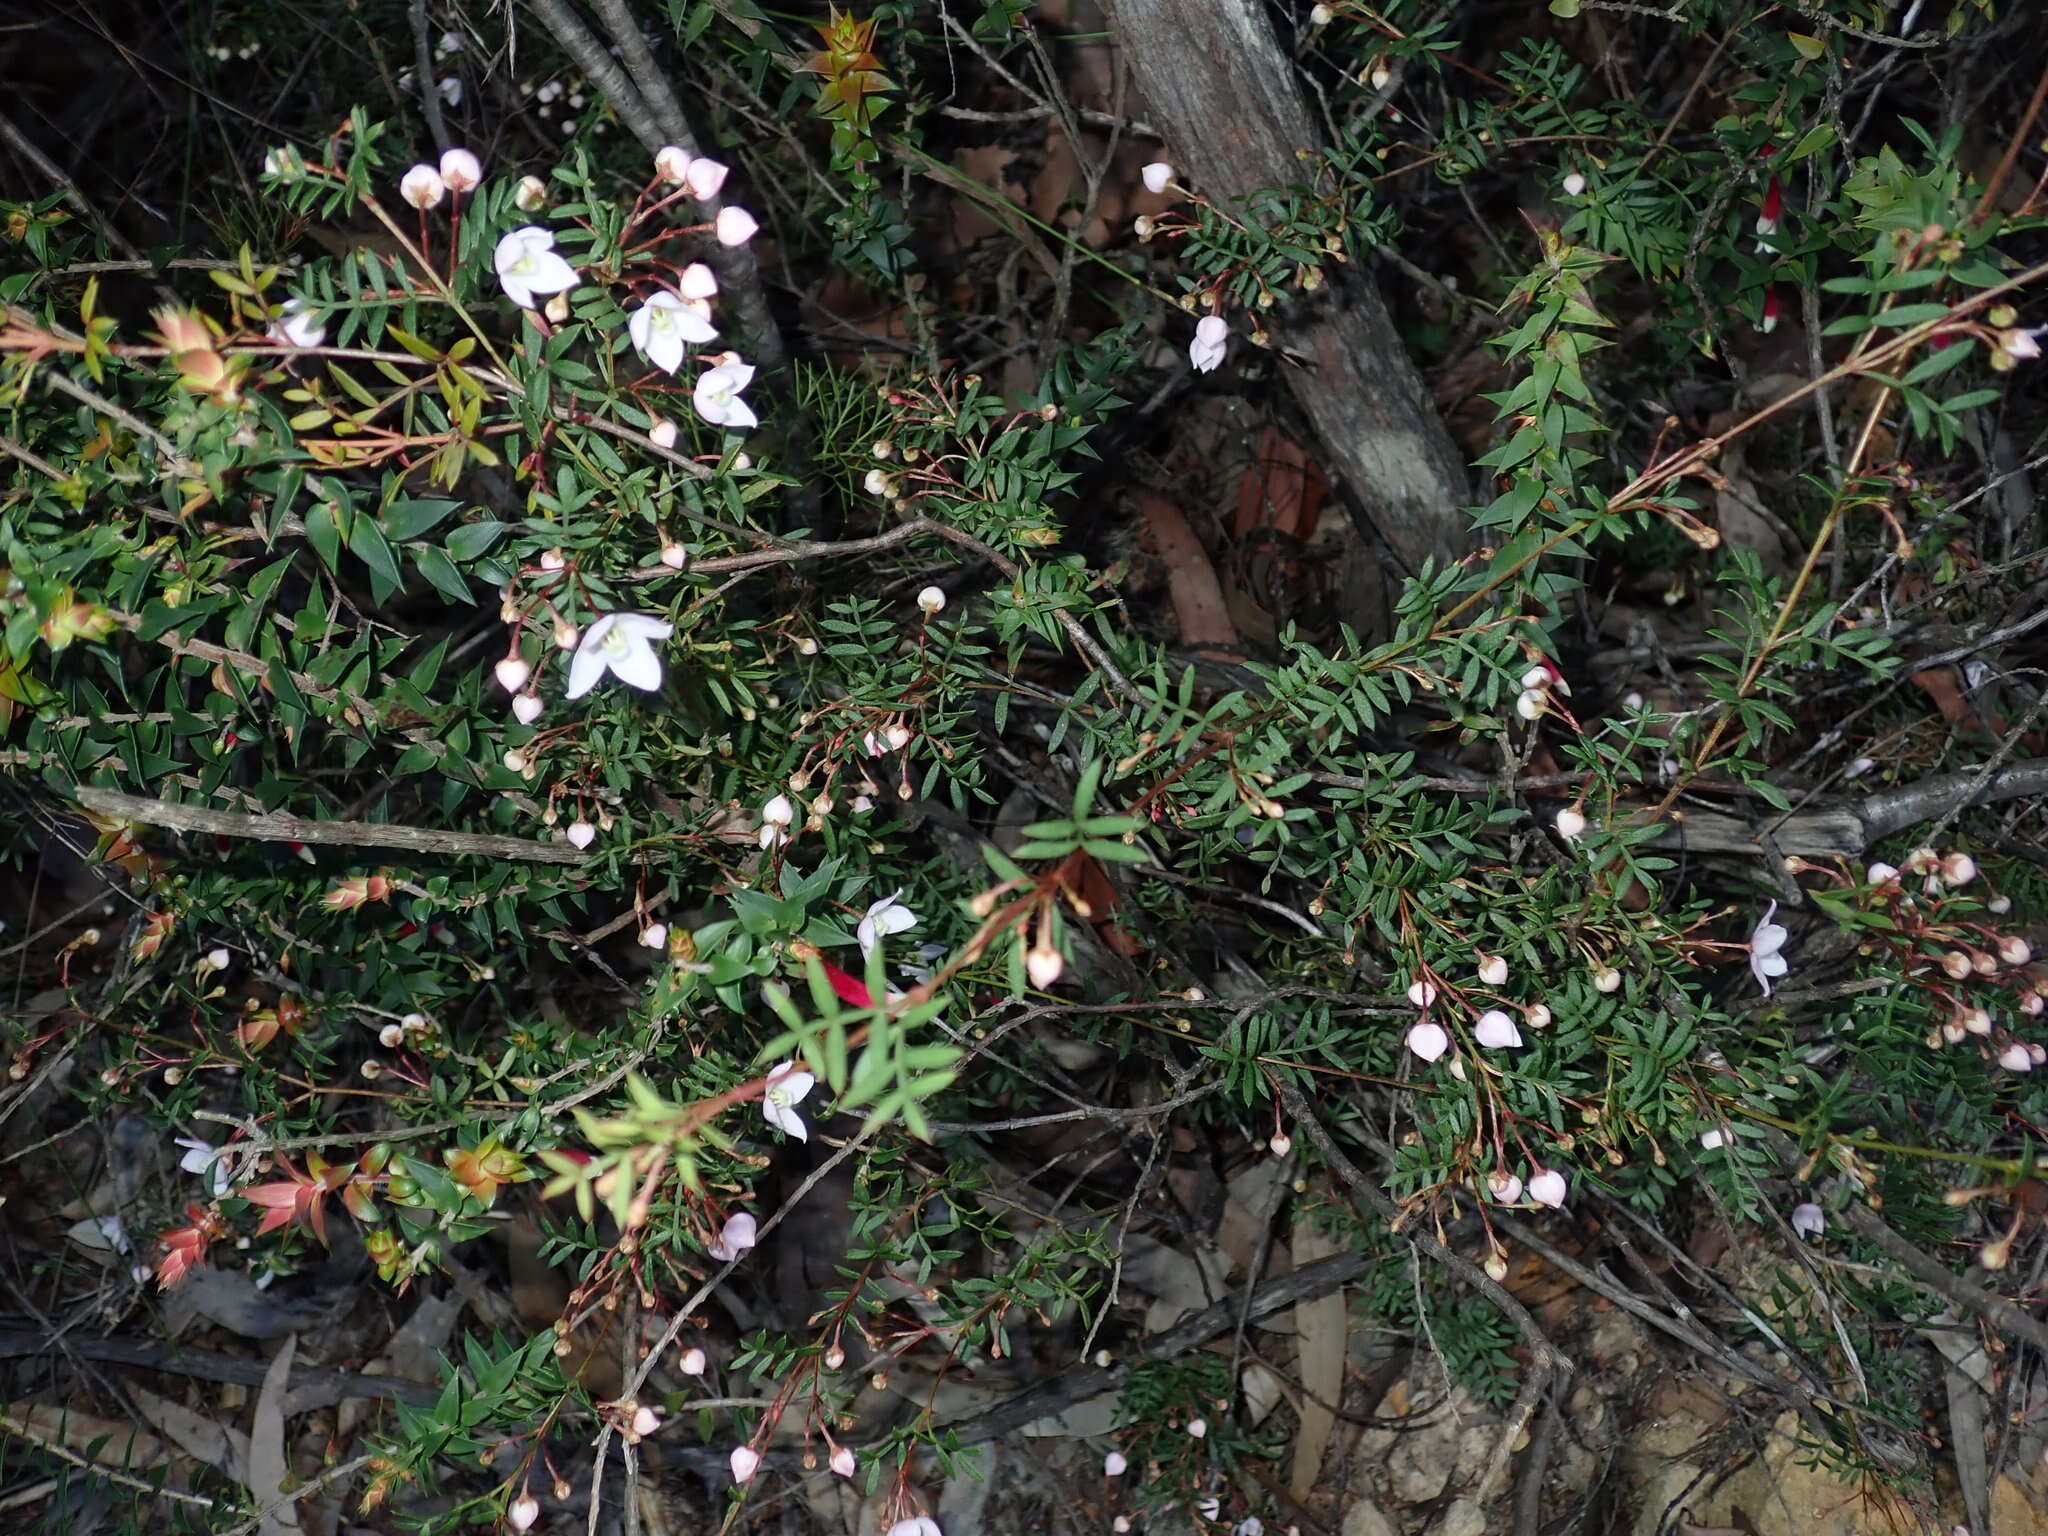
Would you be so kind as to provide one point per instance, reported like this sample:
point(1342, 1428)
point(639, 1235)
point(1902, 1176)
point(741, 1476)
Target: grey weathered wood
point(1220, 89)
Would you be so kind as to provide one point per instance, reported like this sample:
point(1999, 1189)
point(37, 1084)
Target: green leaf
point(472, 540)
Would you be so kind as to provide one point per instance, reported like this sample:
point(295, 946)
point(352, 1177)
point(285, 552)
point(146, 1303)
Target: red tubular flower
point(1774, 205)
point(1769, 323)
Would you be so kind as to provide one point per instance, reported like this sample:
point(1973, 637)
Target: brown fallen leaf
point(270, 1467)
point(1190, 578)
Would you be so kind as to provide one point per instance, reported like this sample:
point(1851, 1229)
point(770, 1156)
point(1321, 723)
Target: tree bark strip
point(1223, 93)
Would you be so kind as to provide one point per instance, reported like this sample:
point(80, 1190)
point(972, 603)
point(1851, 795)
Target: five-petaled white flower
point(733, 226)
point(422, 187)
point(528, 263)
point(739, 1234)
point(717, 395)
point(623, 644)
point(1765, 942)
point(209, 1162)
point(662, 326)
point(297, 325)
point(885, 917)
point(1212, 337)
point(787, 1085)
point(1157, 175)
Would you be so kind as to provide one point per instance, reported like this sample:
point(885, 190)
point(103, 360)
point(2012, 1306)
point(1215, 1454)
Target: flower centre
point(615, 642)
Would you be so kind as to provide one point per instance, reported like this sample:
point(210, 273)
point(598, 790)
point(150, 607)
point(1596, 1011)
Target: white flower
point(1157, 175)
point(896, 737)
point(1428, 1041)
point(1713, 1141)
point(460, 170)
point(861, 804)
point(717, 395)
point(522, 1512)
point(528, 264)
point(1998, 906)
point(704, 177)
point(746, 1461)
point(654, 936)
point(778, 812)
point(218, 958)
point(1250, 1525)
point(297, 325)
point(622, 643)
point(1764, 943)
point(1212, 337)
point(1209, 1508)
point(917, 1525)
point(662, 326)
point(1496, 1031)
point(1878, 874)
point(733, 226)
point(391, 1037)
point(581, 833)
point(451, 90)
point(1505, 1188)
point(931, 599)
point(698, 282)
point(885, 917)
point(1574, 184)
point(787, 1085)
point(1114, 1464)
point(1547, 1187)
point(739, 1234)
point(2021, 344)
point(1809, 1220)
point(1321, 16)
point(1493, 970)
point(209, 1162)
point(104, 1233)
point(422, 187)
point(451, 42)
point(529, 194)
point(1570, 823)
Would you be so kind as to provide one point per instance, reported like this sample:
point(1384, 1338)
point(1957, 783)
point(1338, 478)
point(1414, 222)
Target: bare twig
point(280, 828)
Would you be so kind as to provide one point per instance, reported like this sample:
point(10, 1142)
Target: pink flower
point(740, 1233)
point(1212, 339)
point(787, 1085)
point(1765, 942)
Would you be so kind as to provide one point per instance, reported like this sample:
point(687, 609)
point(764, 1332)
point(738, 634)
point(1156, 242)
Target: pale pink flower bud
point(693, 1361)
point(581, 833)
point(1280, 1144)
point(1574, 184)
point(1496, 1031)
point(931, 599)
point(2033, 1004)
point(675, 556)
point(422, 187)
point(1157, 176)
point(1998, 906)
point(698, 282)
point(460, 170)
point(391, 1037)
point(645, 1422)
point(746, 1461)
point(1548, 1187)
point(1114, 1464)
point(1977, 1021)
point(1878, 874)
point(1531, 705)
point(526, 707)
point(1198, 1428)
point(654, 936)
point(513, 673)
point(1607, 979)
point(671, 164)
point(1428, 1041)
point(897, 737)
point(842, 1461)
point(2016, 1058)
point(523, 1511)
point(1536, 1016)
point(1538, 679)
point(1570, 823)
point(529, 194)
point(2014, 950)
point(1809, 1220)
point(1505, 1188)
point(1493, 970)
point(661, 432)
point(1043, 964)
point(734, 226)
point(552, 560)
point(1421, 993)
point(704, 179)
point(1957, 964)
point(1959, 869)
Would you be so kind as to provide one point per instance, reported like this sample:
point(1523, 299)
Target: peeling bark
point(1219, 87)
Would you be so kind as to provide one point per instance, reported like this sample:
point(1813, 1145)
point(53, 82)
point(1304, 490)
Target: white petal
point(588, 664)
point(639, 667)
point(643, 626)
point(865, 932)
point(638, 325)
point(739, 416)
point(665, 347)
